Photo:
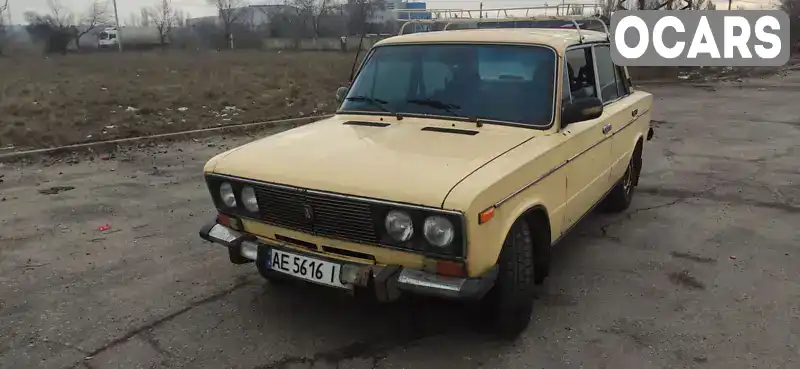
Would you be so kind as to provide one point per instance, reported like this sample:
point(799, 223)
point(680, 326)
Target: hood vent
point(451, 130)
point(367, 124)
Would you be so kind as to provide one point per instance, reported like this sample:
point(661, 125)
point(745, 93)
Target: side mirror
point(341, 92)
point(580, 110)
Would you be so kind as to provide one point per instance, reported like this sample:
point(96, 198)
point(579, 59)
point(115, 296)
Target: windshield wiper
point(378, 103)
point(436, 104)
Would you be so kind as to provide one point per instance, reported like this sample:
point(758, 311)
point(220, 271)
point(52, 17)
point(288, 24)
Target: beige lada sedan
point(453, 165)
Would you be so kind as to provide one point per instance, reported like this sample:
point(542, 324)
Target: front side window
point(580, 72)
point(504, 83)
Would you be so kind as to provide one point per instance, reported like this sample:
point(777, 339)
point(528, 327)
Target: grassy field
point(59, 100)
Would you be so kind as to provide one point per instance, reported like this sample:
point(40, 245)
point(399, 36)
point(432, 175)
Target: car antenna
point(355, 61)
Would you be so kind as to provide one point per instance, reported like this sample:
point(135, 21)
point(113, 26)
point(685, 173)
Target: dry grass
point(61, 100)
point(46, 102)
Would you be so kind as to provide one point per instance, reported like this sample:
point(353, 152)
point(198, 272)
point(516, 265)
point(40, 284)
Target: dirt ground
point(61, 100)
point(701, 272)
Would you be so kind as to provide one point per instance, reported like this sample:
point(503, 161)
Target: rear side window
point(610, 77)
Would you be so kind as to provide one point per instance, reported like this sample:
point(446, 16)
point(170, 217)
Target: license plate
point(307, 268)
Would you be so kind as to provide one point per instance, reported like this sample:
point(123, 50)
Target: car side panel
point(588, 166)
point(629, 128)
point(531, 174)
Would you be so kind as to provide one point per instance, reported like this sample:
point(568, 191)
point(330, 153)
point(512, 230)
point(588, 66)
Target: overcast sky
point(200, 8)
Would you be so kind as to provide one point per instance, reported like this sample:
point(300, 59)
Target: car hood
point(412, 160)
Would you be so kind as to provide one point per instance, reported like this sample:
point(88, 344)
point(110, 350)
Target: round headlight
point(399, 225)
point(249, 199)
point(226, 194)
point(439, 231)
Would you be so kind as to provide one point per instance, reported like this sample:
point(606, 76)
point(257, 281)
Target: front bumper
point(387, 281)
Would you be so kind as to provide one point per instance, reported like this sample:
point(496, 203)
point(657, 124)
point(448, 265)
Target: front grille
point(331, 216)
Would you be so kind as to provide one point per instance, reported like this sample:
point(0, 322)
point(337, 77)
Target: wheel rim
point(627, 181)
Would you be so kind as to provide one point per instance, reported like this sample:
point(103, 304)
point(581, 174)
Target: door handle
point(634, 112)
point(606, 128)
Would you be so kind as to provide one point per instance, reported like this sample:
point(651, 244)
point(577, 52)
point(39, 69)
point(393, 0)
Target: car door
point(618, 108)
point(589, 156)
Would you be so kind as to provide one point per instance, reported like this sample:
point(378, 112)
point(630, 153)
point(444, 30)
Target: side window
point(612, 85)
point(622, 82)
point(566, 96)
point(580, 71)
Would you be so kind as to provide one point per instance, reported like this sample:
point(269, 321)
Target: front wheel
point(508, 306)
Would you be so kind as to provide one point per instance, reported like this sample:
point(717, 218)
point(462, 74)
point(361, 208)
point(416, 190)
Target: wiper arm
point(378, 103)
point(436, 104)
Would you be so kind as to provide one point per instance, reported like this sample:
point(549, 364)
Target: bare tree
point(791, 7)
point(3, 12)
point(97, 15)
point(311, 12)
point(360, 11)
point(703, 5)
point(133, 20)
point(229, 12)
point(59, 15)
point(180, 18)
point(145, 17)
point(163, 18)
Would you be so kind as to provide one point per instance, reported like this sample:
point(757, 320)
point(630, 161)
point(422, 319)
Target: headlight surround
point(226, 194)
point(249, 199)
point(434, 232)
point(439, 231)
point(399, 225)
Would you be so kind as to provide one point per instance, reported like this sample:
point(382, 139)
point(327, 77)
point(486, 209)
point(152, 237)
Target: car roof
point(558, 39)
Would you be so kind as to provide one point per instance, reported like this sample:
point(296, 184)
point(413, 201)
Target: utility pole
point(730, 2)
point(119, 29)
point(480, 16)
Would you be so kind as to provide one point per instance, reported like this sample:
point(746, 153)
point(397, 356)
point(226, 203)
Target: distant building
point(416, 6)
point(197, 21)
point(257, 16)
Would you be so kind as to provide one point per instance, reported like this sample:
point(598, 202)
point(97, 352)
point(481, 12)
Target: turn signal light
point(486, 215)
point(450, 269)
point(229, 221)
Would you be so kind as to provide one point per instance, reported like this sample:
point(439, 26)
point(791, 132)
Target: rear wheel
point(508, 306)
point(620, 197)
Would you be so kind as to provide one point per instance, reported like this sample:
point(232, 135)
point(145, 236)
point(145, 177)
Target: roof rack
point(566, 15)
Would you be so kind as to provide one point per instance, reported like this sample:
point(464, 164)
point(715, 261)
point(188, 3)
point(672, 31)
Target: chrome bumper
point(388, 280)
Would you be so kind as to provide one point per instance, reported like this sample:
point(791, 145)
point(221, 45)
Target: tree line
point(237, 24)
point(60, 27)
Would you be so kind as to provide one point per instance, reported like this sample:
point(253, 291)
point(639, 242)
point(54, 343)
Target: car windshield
point(505, 83)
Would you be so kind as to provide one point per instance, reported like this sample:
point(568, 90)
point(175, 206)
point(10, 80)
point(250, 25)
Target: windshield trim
point(463, 119)
point(444, 117)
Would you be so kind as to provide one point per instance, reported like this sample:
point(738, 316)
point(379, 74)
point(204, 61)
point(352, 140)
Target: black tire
point(507, 308)
point(621, 196)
